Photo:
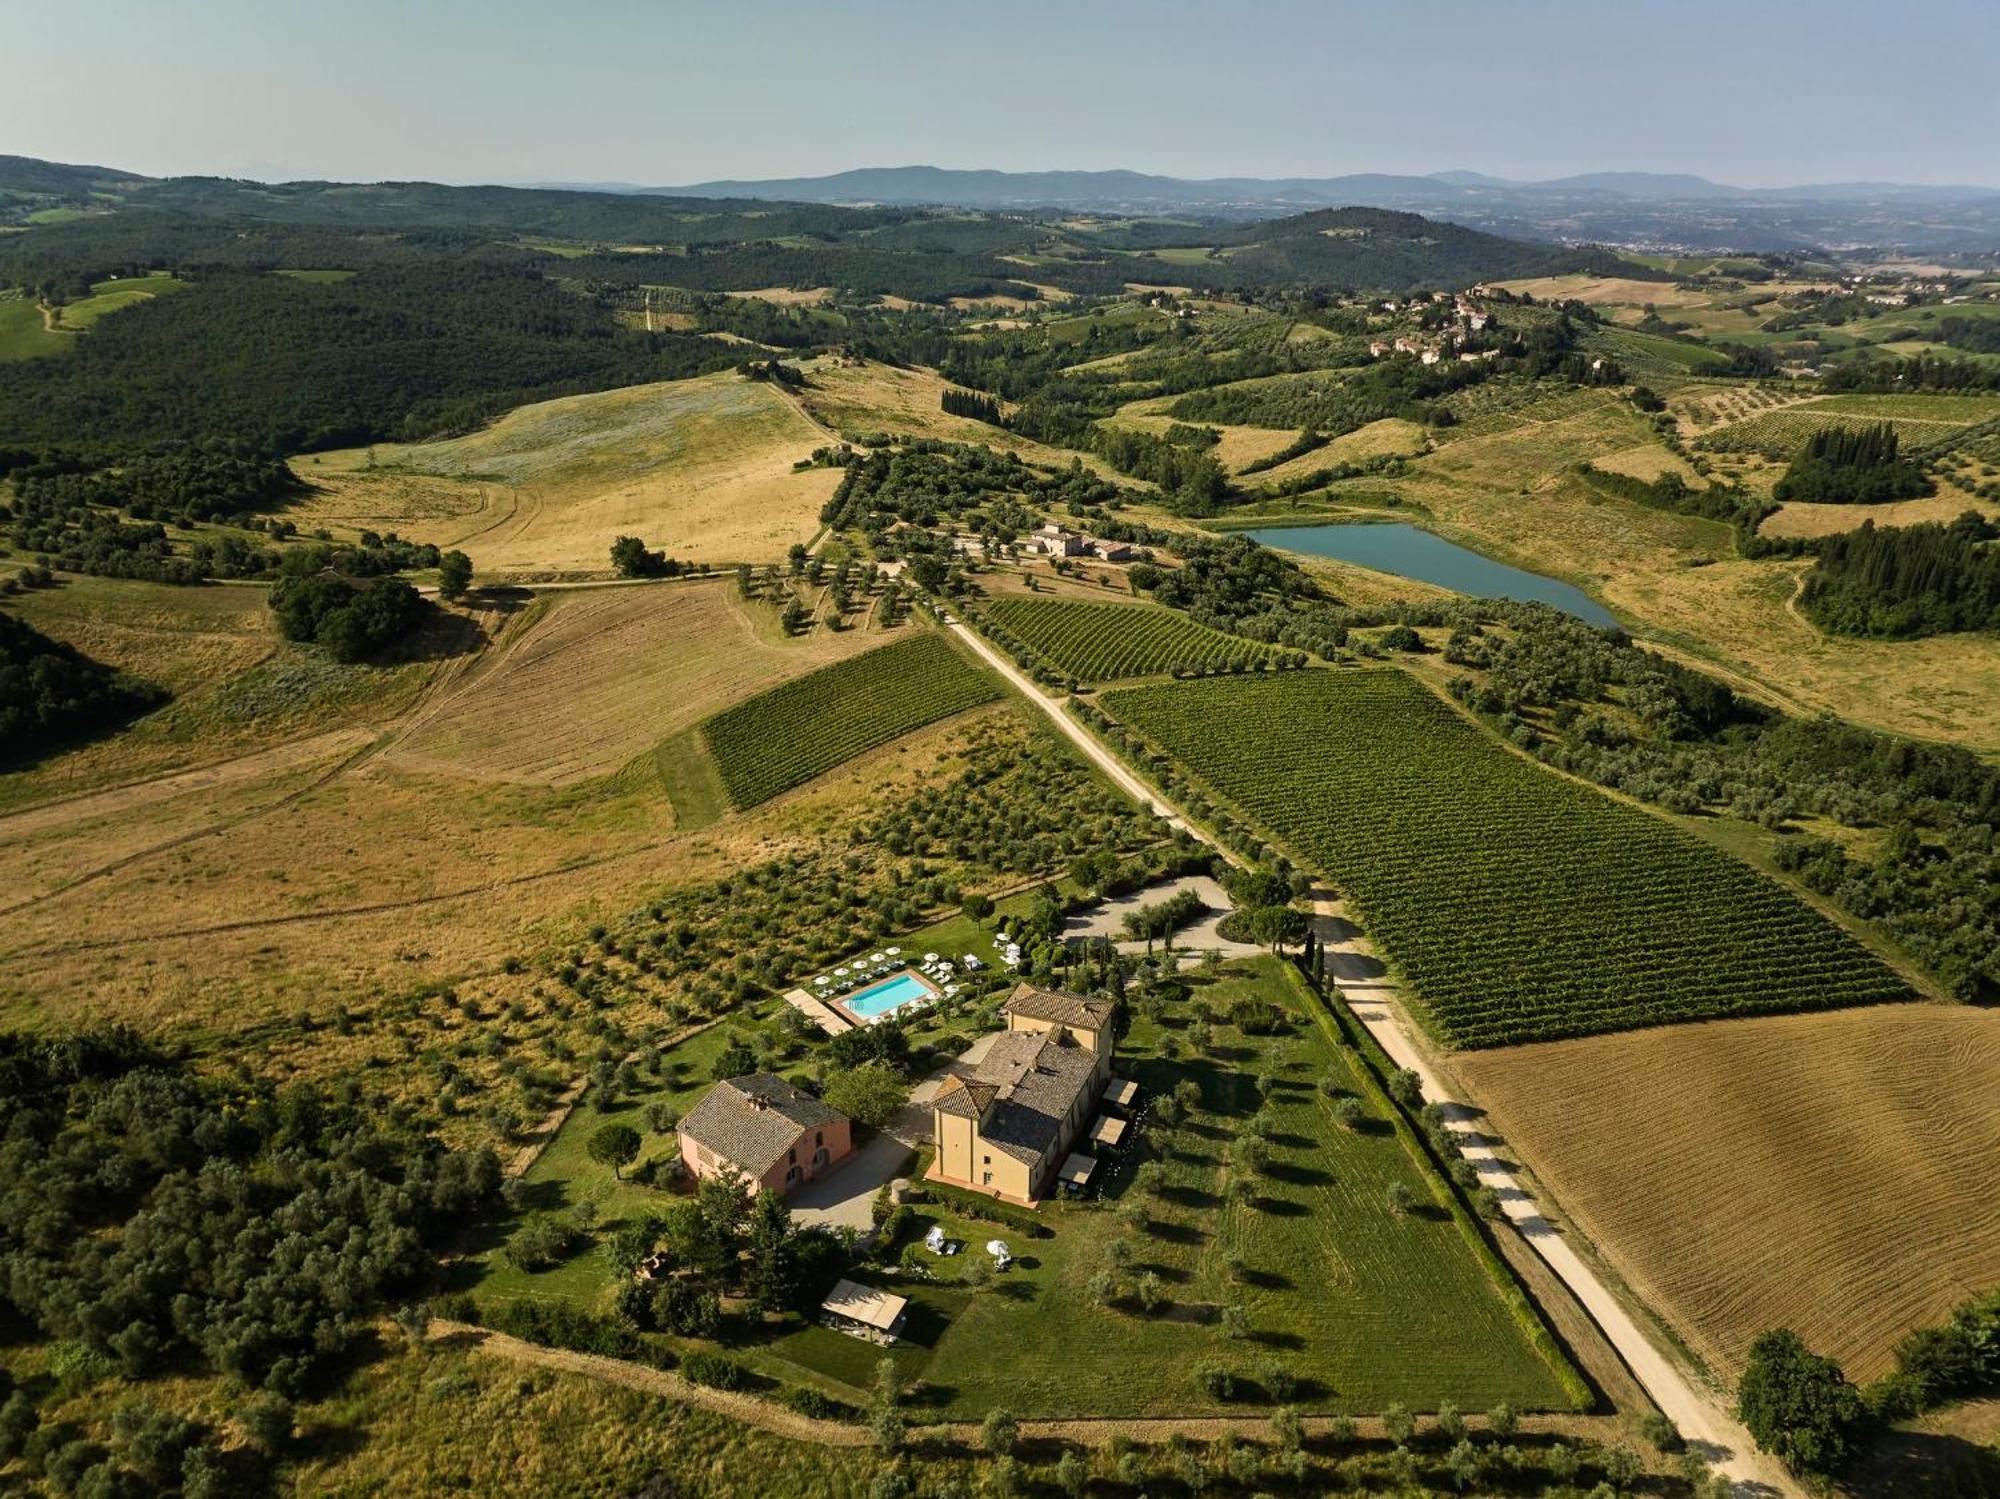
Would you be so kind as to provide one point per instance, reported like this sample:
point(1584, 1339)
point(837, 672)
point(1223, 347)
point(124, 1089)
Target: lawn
point(1361, 1307)
point(22, 334)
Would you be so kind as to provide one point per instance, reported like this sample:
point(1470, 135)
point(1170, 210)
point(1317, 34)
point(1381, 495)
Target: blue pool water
point(1411, 553)
point(891, 993)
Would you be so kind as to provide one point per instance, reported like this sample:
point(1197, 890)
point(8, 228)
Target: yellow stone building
point(1008, 1126)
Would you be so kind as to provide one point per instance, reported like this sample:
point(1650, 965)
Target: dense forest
point(1907, 581)
point(279, 365)
point(154, 1222)
point(1851, 466)
point(51, 693)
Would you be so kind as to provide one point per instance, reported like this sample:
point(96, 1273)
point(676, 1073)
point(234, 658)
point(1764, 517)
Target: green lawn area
point(107, 297)
point(564, 1177)
point(1360, 1306)
point(22, 335)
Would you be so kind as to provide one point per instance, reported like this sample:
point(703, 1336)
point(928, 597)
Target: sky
point(1752, 92)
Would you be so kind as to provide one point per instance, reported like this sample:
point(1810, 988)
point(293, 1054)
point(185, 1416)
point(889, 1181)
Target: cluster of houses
point(1469, 318)
point(1016, 1124)
point(1052, 540)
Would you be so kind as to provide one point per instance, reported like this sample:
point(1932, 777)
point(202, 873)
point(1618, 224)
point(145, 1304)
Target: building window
point(986, 1160)
point(986, 1179)
point(819, 1137)
point(792, 1154)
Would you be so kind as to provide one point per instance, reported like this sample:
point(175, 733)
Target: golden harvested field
point(1800, 519)
point(787, 296)
point(599, 675)
point(1610, 291)
point(859, 399)
point(1239, 445)
point(1831, 1173)
point(701, 469)
point(1737, 616)
point(353, 866)
point(1391, 435)
point(237, 685)
point(1648, 461)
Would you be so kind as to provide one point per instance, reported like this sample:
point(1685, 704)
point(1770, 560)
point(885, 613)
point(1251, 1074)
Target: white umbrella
point(930, 957)
point(894, 952)
point(879, 957)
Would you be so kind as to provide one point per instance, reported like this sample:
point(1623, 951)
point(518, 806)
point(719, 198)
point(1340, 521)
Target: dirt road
point(1700, 1415)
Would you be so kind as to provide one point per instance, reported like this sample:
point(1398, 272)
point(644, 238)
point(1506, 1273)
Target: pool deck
point(931, 993)
point(833, 1024)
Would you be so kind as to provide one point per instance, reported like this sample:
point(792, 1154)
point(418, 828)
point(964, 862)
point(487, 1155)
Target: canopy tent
point(867, 1306)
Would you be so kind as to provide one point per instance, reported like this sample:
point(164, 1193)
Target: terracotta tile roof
point(1036, 1078)
point(967, 1100)
point(1059, 1006)
point(752, 1121)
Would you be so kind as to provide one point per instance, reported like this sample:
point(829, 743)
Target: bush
point(1216, 1382)
point(715, 1371)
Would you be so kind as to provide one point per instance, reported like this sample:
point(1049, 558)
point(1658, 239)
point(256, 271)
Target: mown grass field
point(107, 297)
point(1829, 1173)
point(1517, 905)
point(790, 734)
point(1103, 642)
point(23, 334)
point(1362, 1306)
point(700, 468)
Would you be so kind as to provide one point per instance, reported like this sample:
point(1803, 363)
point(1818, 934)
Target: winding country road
point(1361, 978)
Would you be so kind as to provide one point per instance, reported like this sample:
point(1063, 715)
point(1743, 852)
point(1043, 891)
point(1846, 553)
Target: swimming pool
point(866, 1006)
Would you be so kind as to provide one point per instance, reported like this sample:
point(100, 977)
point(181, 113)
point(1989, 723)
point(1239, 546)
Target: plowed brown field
point(1832, 1173)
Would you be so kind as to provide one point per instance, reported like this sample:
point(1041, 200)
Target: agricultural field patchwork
point(1756, 1173)
point(600, 675)
point(1103, 642)
point(1517, 905)
point(786, 736)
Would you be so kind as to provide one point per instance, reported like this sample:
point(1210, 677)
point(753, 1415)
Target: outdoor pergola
point(1076, 1170)
point(1107, 1131)
point(1122, 1093)
point(865, 1311)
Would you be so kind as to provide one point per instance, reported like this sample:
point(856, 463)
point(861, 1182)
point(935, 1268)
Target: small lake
point(1410, 553)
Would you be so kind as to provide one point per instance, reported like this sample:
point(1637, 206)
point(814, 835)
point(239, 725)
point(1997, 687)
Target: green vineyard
point(1103, 642)
point(1518, 905)
point(783, 738)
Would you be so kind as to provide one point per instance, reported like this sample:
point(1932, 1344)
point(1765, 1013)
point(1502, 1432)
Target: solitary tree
point(454, 574)
point(1797, 1404)
point(614, 1145)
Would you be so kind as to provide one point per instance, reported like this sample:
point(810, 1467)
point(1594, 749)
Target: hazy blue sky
point(1756, 92)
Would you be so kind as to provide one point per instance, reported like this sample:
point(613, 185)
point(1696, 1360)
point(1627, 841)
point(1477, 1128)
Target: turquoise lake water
point(1410, 553)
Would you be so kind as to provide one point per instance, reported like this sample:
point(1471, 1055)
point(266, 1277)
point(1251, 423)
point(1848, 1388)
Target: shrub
point(1216, 1382)
point(715, 1371)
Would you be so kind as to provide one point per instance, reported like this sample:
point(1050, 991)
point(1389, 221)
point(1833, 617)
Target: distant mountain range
point(1650, 210)
point(995, 189)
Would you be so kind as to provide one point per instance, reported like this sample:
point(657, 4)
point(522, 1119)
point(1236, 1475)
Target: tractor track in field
point(451, 674)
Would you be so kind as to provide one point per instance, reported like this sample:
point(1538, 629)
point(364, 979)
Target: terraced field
point(1919, 420)
point(1518, 905)
point(1104, 642)
point(783, 738)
